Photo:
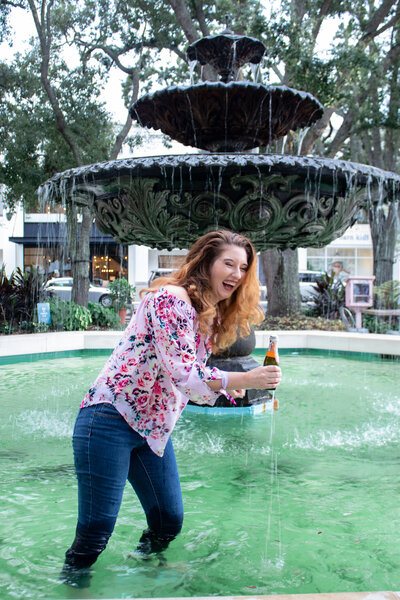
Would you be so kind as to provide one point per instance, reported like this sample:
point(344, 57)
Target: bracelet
point(224, 379)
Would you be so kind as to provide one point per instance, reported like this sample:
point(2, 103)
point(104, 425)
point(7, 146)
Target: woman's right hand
point(263, 378)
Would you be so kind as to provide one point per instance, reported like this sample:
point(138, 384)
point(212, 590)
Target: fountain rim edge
point(223, 160)
point(231, 84)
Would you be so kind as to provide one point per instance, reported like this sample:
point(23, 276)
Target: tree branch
point(315, 132)
point(377, 18)
point(16, 4)
point(43, 28)
point(342, 134)
point(128, 123)
point(114, 56)
point(185, 20)
point(321, 15)
point(389, 24)
point(201, 18)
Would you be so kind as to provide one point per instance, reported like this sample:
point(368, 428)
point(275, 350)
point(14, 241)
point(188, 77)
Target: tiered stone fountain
point(278, 201)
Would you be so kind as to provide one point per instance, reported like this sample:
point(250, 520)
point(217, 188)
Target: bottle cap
point(273, 338)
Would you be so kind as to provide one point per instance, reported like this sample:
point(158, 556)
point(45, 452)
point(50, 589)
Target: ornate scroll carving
point(269, 209)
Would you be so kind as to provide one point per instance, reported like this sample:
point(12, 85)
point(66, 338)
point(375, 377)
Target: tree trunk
point(384, 223)
point(281, 269)
point(81, 259)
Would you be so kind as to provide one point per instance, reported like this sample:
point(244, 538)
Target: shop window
point(316, 264)
point(316, 252)
point(49, 260)
point(355, 261)
point(107, 266)
point(170, 261)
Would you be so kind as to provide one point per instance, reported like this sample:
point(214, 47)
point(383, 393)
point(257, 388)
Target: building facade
point(41, 240)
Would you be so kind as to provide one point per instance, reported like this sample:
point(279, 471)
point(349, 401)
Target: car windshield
point(67, 281)
point(62, 282)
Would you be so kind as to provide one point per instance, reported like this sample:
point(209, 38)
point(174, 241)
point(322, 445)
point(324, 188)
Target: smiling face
point(227, 272)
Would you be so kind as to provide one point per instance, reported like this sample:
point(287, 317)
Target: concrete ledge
point(37, 343)
point(340, 596)
point(344, 341)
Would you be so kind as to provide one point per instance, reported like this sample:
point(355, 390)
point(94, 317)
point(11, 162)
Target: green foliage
point(122, 292)
point(329, 297)
point(8, 296)
point(388, 294)
point(29, 286)
point(33, 149)
point(22, 291)
point(19, 295)
point(103, 317)
point(68, 316)
point(301, 322)
point(376, 324)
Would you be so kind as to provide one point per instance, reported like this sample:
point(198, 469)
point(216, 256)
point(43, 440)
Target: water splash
point(370, 435)
point(255, 70)
point(274, 510)
point(192, 66)
point(45, 424)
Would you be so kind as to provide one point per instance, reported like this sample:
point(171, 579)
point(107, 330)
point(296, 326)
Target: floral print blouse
point(158, 365)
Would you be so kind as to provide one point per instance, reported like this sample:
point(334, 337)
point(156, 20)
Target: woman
point(124, 425)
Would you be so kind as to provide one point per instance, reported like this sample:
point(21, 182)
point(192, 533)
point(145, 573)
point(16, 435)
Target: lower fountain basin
point(278, 201)
point(301, 477)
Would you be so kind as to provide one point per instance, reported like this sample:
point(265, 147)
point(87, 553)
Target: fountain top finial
point(227, 52)
point(227, 30)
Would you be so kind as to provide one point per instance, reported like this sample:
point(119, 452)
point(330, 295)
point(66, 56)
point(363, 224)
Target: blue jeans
point(108, 452)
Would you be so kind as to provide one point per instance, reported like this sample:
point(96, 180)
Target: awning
point(40, 234)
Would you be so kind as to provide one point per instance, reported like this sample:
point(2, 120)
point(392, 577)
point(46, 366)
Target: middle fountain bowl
point(227, 117)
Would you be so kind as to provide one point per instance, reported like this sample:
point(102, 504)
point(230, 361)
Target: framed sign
point(43, 310)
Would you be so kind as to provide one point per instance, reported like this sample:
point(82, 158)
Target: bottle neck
point(273, 349)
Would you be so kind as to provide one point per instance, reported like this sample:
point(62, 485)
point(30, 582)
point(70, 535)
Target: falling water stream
point(302, 500)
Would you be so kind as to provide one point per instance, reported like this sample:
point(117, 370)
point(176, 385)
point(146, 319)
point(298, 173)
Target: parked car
point(62, 288)
point(158, 273)
point(307, 281)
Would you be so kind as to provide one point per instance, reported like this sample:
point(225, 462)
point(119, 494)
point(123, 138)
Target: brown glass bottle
point(272, 358)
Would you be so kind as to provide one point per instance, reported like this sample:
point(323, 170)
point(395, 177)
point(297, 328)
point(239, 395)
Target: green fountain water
point(303, 500)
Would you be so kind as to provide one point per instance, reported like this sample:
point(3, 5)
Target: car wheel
point(106, 301)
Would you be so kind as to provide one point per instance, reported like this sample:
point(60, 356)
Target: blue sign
point(43, 310)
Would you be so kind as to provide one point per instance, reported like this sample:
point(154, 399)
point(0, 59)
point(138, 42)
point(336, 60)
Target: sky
point(23, 28)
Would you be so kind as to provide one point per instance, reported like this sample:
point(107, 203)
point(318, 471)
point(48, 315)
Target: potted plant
point(122, 294)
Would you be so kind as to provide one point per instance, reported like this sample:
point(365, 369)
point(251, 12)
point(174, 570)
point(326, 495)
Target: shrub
point(69, 316)
point(122, 293)
point(29, 286)
point(8, 299)
point(302, 322)
point(329, 296)
point(103, 317)
point(388, 294)
point(375, 324)
point(19, 295)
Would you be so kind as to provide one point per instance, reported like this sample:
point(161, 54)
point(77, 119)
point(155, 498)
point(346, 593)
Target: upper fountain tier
point(228, 115)
point(226, 53)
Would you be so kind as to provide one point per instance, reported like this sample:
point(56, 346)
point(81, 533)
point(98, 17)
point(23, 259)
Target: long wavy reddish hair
point(231, 317)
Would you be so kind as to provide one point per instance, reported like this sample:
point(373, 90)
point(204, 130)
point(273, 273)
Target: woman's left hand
point(237, 393)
